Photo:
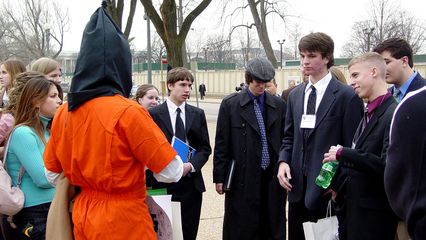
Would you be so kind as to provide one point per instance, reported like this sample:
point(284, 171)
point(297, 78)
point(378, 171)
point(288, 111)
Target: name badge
point(308, 121)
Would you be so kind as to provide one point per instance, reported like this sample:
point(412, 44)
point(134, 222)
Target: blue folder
point(184, 151)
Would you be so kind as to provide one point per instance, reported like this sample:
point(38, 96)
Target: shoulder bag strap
point(6, 149)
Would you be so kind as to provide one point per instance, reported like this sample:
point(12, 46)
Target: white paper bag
point(323, 229)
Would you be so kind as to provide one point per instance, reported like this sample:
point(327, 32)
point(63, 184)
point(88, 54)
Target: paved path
point(213, 204)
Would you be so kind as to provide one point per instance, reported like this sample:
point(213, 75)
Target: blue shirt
point(404, 87)
point(260, 99)
point(26, 149)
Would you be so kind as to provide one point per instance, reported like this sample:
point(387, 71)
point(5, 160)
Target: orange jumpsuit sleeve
point(146, 140)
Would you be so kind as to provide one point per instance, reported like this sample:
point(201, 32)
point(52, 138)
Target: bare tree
point(218, 48)
point(166, 26)
point(115, 8)
point(193, 48)
point(35, 28)
point(385, 21)
point(158, 50)
point(260, 10)
point(294, 37)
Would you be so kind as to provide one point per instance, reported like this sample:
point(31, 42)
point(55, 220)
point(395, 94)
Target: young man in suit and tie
point(249, 131)
point(320, 113)
point(177, 118)
point(366, 212)
point(398, 55)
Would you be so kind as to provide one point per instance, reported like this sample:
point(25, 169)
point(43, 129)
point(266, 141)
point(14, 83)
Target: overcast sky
point(334, 17)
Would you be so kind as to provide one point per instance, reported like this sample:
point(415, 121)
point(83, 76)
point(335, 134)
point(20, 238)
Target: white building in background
point(67, 61)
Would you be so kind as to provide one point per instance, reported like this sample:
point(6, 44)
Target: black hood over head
point(104, 64)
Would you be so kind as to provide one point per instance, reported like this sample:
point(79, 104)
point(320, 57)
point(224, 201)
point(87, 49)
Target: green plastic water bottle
point(326, 174)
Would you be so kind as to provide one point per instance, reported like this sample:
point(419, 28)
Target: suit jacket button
point(243, 125)
point(244, 150)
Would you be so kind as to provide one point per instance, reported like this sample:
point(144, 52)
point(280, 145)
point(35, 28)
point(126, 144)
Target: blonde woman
point(49, 67)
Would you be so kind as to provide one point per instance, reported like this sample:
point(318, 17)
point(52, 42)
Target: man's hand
point(333, 194)
point(284, 176)
point(331, 155)
point(219, 188)
point(186, 169)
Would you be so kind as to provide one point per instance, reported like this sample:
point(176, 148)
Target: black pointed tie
point(179, 127)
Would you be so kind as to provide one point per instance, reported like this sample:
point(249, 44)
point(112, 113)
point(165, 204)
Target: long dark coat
point(238, 137)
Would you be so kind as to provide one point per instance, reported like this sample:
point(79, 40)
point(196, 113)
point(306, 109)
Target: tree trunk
point(166, 27)
point(262, 30)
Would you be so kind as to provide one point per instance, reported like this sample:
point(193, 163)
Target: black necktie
point(310, 109)
point(179, 127)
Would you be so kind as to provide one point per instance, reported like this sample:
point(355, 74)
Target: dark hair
point(249, 78)
point(178, 74)
point(397, 47)
point(143, 89)
point(318, 42)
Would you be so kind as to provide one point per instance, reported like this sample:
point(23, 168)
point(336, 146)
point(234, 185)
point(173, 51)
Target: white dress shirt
point(320, 88)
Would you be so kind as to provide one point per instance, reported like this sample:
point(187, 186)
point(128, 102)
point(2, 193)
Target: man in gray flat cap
point(249, 131)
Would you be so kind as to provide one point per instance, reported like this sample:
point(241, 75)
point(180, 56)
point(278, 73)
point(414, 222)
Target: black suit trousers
point(190, 204)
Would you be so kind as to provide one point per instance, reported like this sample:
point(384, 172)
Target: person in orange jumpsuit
point(103, 141)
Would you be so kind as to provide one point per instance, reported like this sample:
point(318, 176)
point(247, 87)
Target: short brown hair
point(397, 48)
point(320, 42)
point(179, 74)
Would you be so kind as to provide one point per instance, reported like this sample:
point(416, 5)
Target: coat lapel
point(298, 106)
point(247, 112)
point(189, 117)
point(165, 118)
point(373, 121)
point(270, 107)
point(327, 101)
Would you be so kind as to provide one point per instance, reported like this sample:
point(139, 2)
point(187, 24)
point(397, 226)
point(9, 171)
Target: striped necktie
point(265, 154)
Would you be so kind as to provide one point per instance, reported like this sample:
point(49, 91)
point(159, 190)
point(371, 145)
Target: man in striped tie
point(249, 131)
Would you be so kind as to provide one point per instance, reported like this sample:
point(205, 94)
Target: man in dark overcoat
point(249, 132)
point(405, 178)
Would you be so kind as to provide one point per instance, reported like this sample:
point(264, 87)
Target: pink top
point(6, 124)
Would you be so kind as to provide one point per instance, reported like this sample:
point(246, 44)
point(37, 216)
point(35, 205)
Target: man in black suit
point(405, 178)
point(249, 131)
point(320, 113)
point(366, 210)
point(398, 55)
point(177, 118)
